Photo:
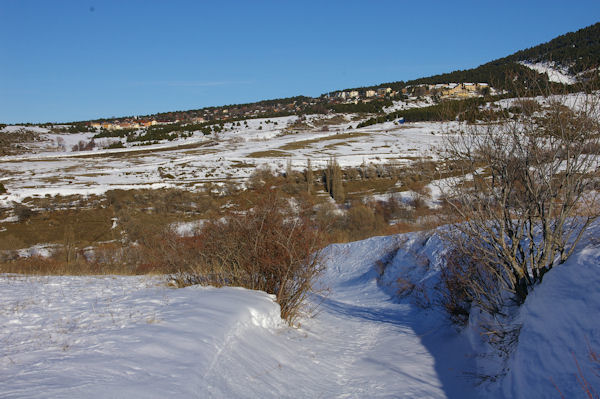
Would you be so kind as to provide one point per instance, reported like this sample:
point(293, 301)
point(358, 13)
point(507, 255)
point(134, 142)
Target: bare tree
point(526, 193)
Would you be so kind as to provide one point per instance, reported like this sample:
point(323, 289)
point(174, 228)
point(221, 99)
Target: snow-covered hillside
point(135, 337)
point(233, 154)
point(555, 72)
point(559, 332)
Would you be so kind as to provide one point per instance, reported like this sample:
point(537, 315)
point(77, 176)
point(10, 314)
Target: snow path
point(393, 348)
point(122, 337)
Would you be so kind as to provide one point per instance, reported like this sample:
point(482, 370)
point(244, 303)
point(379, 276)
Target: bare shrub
point(405, 286)
point(260, 177)
point(83, 146)
point(333, 180)
point(327, 217)
point(591, 148)
point(269, 248)
point(53, 265)
point(23, 212)
point(362, 221)
point(465, 280)
point(65, 259)
point(8, 256)
point(528, 197)
point(528, 106)
point(391, 209)
point(418, 200)
point(586, 387)
point(114, 257)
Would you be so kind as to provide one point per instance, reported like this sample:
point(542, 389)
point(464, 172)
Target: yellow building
point(464, 90)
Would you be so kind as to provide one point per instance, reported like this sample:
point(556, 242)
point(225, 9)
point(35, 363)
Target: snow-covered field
point(192, 162)
point(135, 337)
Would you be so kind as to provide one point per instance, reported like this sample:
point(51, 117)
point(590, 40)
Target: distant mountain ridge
point(576, 52)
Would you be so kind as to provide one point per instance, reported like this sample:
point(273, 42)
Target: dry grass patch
point(269, 154)
point(358, 188)
point(335, 145)
point(135, 151)
point(345, 136)
point(301, 144)
point(334, 120)
point(242, 164)
point(52, 179)
point(87, 226)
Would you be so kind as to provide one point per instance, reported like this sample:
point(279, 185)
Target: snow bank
point(16, 128)
point(559, 320)
point(126, 337)
point(424, 355)
point(560, 323)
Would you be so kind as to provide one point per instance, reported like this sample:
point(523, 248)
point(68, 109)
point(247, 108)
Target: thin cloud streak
point(184, 83)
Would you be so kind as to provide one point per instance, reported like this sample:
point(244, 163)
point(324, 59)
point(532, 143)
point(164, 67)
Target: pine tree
point(338, 188)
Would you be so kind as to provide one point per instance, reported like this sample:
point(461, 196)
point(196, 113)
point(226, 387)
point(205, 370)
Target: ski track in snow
point(72, 337)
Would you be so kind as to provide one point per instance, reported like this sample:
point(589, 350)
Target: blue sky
point(76, 60)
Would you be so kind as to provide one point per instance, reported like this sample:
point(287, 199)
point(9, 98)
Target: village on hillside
point(295, 105)
point(442, 91)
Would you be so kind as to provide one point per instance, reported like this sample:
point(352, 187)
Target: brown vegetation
point(15, 142)
point(270, 247)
